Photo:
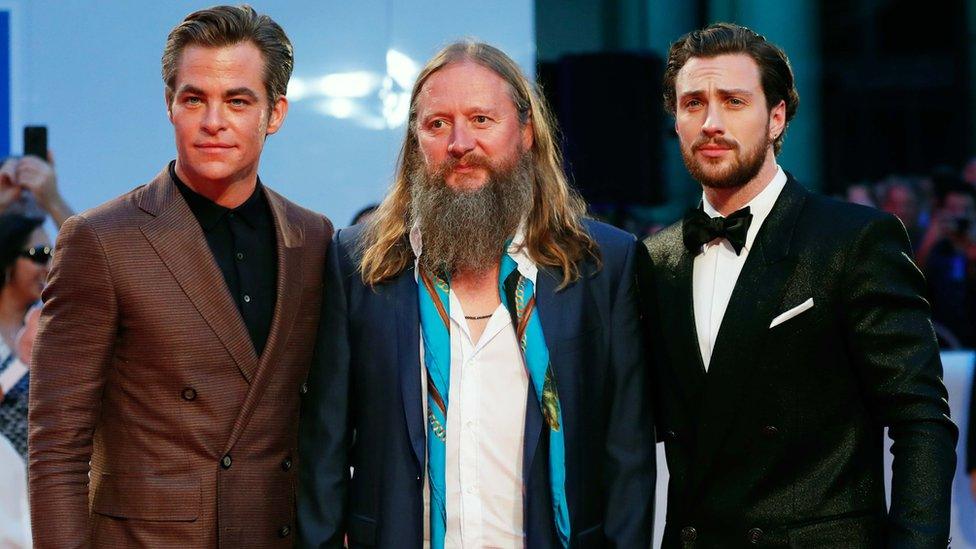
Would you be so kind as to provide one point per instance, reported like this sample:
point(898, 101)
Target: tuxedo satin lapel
point(408, 359)
point(176, 236)
point(690, 371)
point(745, 326)
point(289, 238)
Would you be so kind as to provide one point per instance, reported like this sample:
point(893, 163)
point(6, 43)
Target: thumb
point(50, 157)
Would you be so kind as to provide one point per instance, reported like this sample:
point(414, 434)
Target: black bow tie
point(699, 229)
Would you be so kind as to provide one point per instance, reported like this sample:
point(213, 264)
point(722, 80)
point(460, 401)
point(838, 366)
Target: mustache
point(469, 160)
point(719, 141)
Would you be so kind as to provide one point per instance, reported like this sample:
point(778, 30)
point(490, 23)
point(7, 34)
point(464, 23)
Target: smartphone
point(35, 141)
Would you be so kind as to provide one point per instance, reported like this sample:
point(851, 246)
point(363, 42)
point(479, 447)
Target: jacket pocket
point(163, 498)
point(591, 537)
point(362, 529)
point(850, 530)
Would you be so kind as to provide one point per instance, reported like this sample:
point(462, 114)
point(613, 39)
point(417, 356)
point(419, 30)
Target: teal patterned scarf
point(435, 321)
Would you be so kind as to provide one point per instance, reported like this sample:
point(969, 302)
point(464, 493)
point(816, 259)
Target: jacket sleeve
point(323, 431)
point(630, 449)
point(70, 363)
point(889, 331)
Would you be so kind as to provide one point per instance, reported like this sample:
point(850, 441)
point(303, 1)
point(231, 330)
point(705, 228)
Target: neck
point(728, 201)
point(227, 193)
point(475, 280)
point(12, 310)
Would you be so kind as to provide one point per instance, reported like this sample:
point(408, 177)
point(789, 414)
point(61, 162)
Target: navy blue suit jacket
point(363, 408)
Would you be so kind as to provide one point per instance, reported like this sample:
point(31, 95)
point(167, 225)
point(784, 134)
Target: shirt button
point(303, 389)
point(470, 425)
point(189, 393)
point(226, 462)
point(286, 464)
point(240, 256)
point(284, 531)
point(247, 298)
point(472, 490)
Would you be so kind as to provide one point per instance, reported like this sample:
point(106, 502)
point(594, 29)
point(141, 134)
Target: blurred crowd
point(29, 196)
point(939, 214)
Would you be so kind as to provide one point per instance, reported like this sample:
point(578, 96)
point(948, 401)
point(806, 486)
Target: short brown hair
point(726, 38)
point(225, 26)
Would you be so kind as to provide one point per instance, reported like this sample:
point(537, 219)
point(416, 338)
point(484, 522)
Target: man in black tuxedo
point(789, 329)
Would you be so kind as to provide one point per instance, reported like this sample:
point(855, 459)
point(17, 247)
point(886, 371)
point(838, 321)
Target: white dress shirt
point(485, 425)
point(717, 268)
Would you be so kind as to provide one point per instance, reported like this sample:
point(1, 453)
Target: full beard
point(467, 230)
point(740, 171)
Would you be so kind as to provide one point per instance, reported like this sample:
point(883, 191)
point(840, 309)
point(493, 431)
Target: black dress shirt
point(242, 241)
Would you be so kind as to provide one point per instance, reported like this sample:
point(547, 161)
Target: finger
point(50, 157)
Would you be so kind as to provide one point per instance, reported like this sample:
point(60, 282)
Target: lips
point(713, 151)
point(214, 147)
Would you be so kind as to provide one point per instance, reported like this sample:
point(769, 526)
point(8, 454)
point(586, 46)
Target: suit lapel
point(552, 314)
point(691, 371)
point(176, 236)
point(744, 327)
point(408, 360)
point(289, 238)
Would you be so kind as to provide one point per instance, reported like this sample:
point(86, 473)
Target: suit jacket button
point(754, 535)
point(284, 531)
point(689, 534)
point(286, 464)
point(189, 394)
point(303, 389)
point(226, 462)
point(770, 431)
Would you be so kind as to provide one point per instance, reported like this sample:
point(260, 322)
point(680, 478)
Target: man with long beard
point(790, 331)
point(480, 360)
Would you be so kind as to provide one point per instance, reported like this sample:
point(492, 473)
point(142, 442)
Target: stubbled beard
point(741, 170)
point(467, 230)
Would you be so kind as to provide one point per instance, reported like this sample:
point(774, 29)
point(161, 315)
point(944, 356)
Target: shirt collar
point(209, 213)
point(759, 207)
point(516, 250)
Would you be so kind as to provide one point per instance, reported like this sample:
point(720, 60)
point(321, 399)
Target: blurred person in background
point(28, 185)
point(969, 172)
point(947, 256)
point(364, 215)
point(25, 250)
point(899, 198)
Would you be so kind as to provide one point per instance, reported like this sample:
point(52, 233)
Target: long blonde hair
point(554, 232)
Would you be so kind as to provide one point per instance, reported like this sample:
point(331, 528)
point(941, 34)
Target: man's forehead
point(736, 70)
point(464, 82)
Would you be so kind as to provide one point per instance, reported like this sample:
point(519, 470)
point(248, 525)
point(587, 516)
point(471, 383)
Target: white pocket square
point(808, 304)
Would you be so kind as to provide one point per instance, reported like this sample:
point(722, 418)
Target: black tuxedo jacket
point(366, 379)
point(780, 443)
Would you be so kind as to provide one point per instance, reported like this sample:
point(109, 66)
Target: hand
point(9, 190)
point(38, 177)
point(24, 342)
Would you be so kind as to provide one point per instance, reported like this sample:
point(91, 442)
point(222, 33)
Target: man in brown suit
point(178, 324)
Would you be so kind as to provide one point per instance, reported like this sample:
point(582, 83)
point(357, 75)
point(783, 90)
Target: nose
point(213, 120)
point(713, 125)
point(462, 141)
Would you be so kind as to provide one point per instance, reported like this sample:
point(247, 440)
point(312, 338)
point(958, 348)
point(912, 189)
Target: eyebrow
point(187, 88)
point(722, 92)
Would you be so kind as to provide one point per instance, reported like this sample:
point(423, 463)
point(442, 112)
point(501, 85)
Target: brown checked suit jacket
point(144, 367)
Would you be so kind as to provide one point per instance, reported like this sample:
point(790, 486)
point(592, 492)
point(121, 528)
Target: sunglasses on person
point(39, 254)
